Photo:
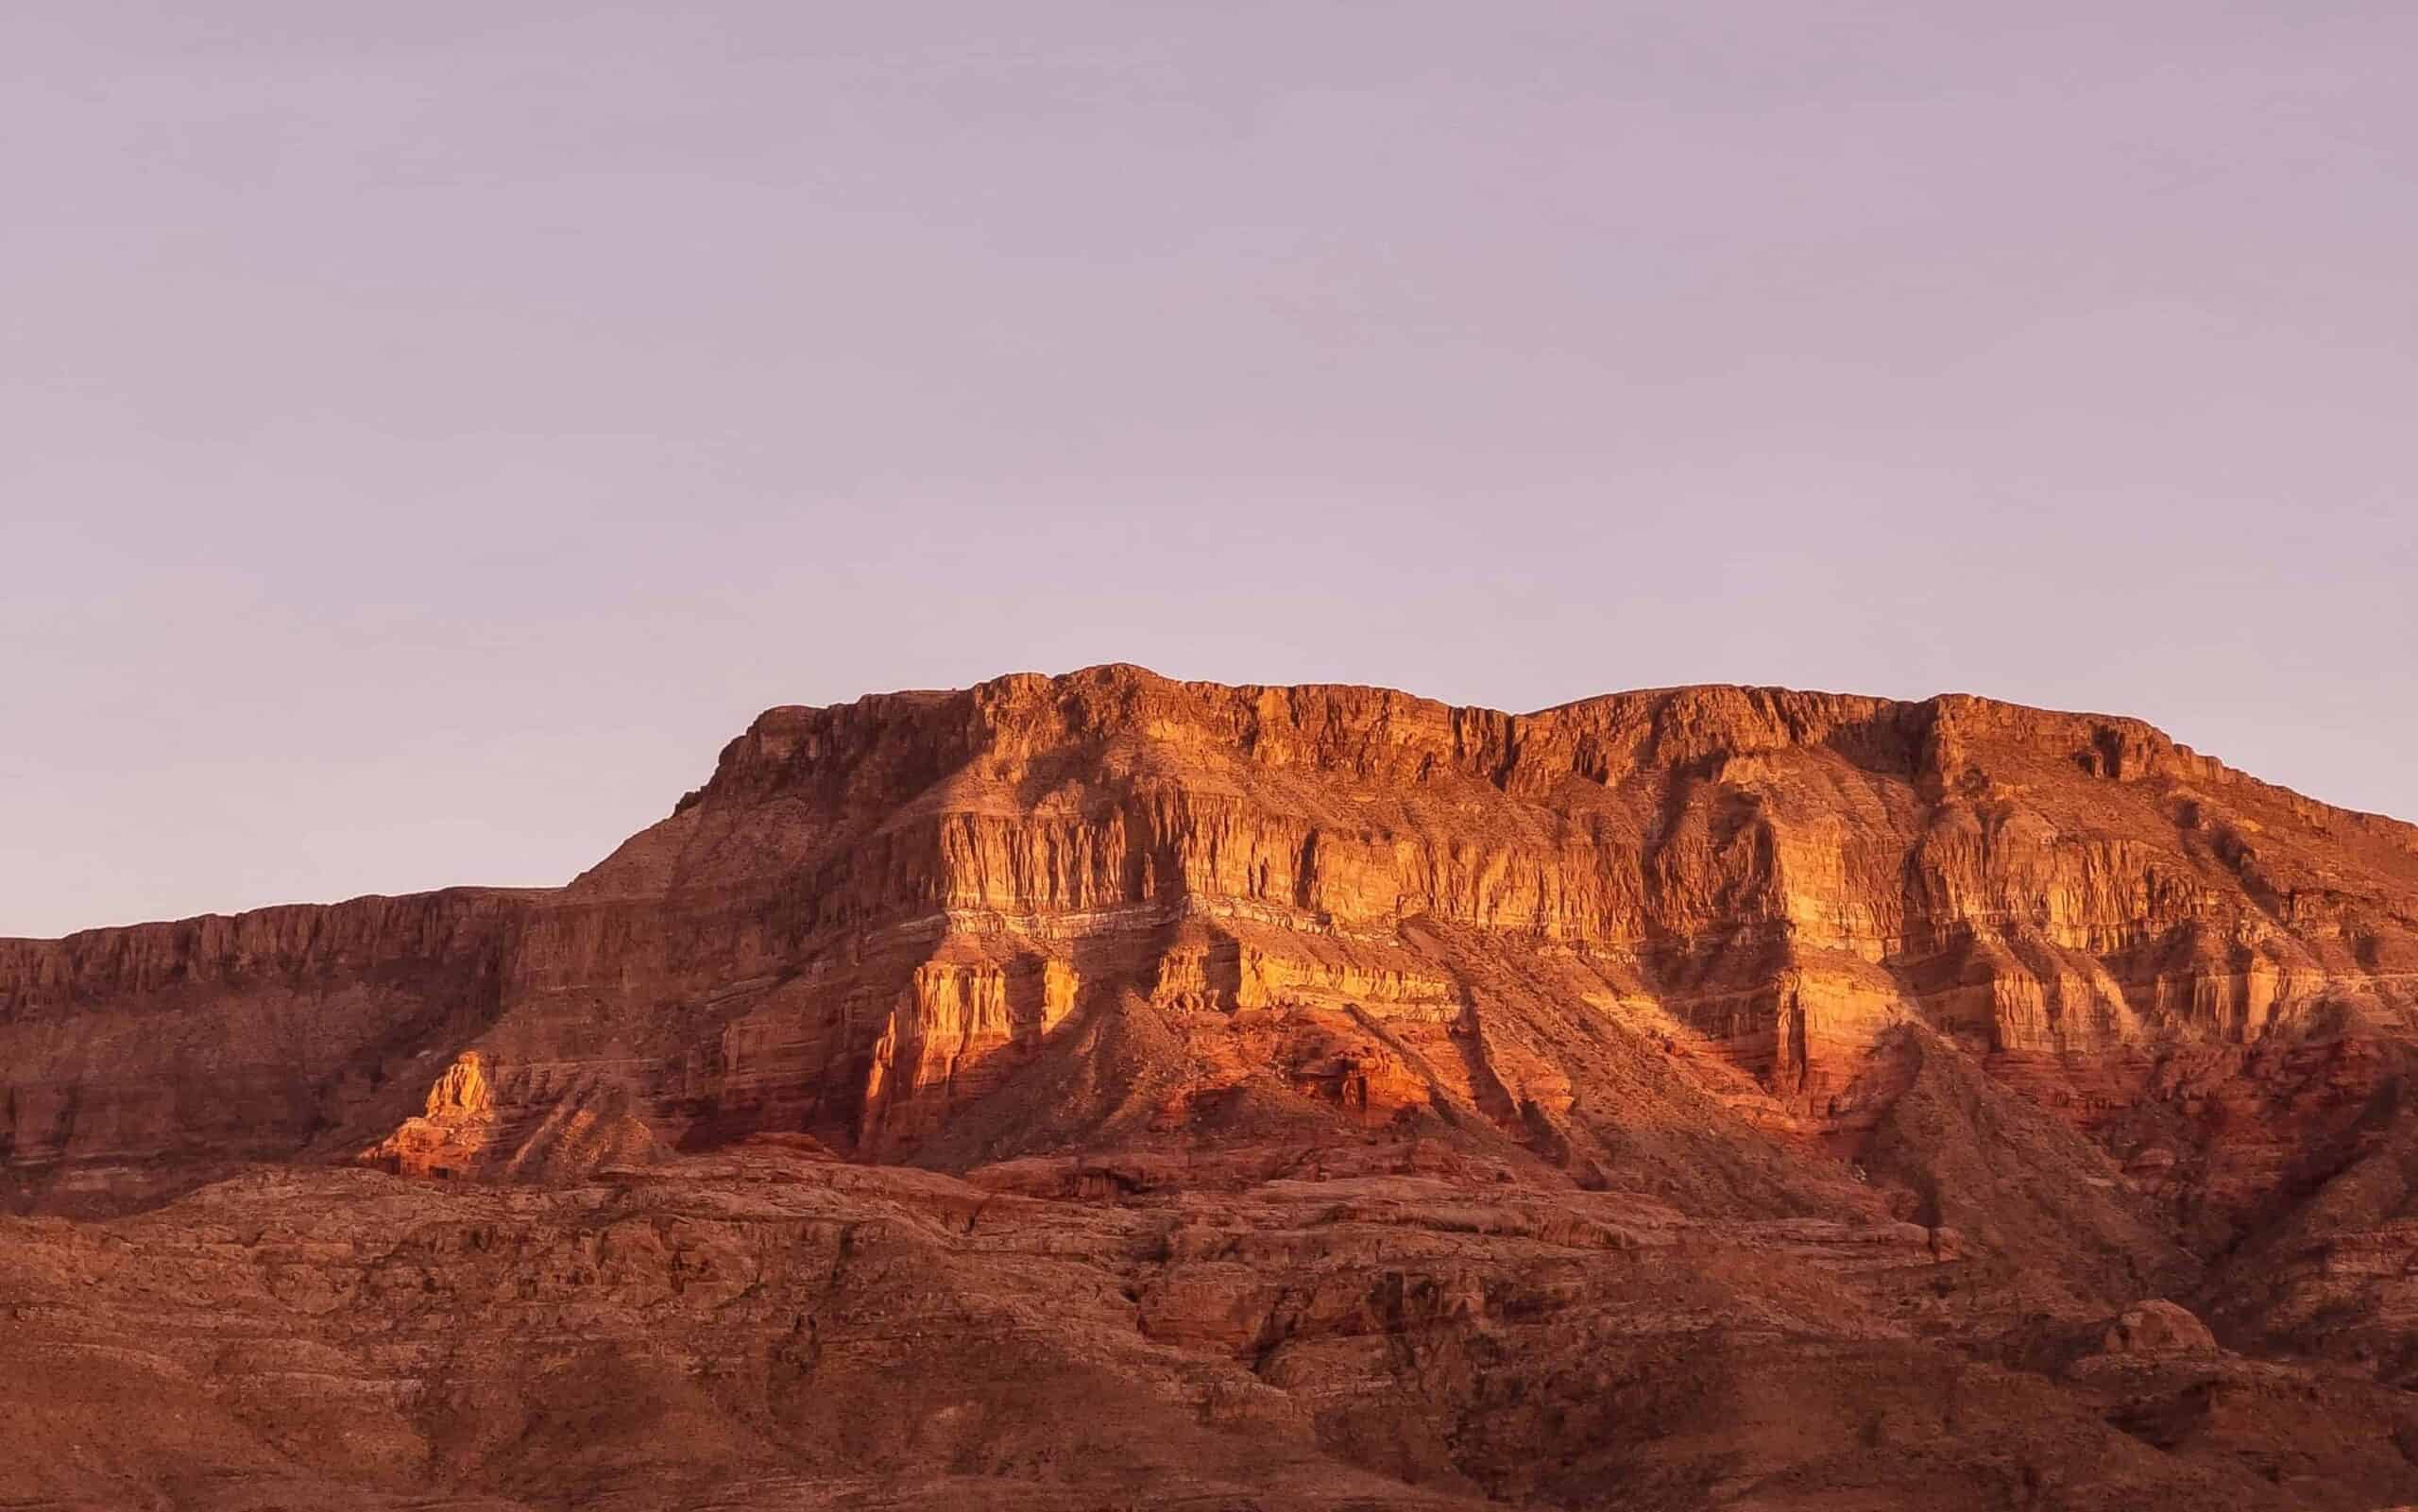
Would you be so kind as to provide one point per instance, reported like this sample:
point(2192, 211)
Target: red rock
point(2159, 1327)
point(1291, 1096)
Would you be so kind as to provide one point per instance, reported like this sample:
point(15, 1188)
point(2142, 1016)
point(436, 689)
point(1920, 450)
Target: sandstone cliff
point(2077, 1020)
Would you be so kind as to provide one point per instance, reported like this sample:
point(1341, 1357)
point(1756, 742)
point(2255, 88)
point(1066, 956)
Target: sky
point(428, 431)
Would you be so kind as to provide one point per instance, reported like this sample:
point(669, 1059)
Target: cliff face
point(137, 1061)
point(874, 914)
point(2113, 1015)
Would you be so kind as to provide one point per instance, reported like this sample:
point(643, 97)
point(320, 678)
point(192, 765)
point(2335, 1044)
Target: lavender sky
point(431, 430)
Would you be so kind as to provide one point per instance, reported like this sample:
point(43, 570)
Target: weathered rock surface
point(2159, 1326)
point(1102, 1089)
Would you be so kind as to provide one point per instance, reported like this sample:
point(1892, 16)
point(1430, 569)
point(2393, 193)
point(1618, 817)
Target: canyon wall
point(1311, 1097)
point(871, 916)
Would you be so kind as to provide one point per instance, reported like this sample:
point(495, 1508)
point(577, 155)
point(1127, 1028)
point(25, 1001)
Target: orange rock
point(1359, 1101)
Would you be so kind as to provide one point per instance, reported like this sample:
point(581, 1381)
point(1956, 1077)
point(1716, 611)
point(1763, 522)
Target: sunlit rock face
point(874, 916)
point(2072, 1016)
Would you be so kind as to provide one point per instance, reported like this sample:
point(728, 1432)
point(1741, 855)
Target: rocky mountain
point(1103, 1091)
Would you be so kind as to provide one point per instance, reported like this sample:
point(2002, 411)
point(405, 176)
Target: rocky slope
point(1102, 1089)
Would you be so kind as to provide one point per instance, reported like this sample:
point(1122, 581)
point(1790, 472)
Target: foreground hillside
point(1105, 1091)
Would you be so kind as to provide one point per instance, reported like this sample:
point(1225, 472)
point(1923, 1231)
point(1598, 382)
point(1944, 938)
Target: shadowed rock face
point(1702, 1098)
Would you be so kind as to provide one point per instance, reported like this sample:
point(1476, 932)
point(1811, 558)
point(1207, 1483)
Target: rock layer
point(2038, 1019)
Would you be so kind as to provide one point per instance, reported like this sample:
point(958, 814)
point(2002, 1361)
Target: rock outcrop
point(1297, 1065)
point(2159, 1327)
